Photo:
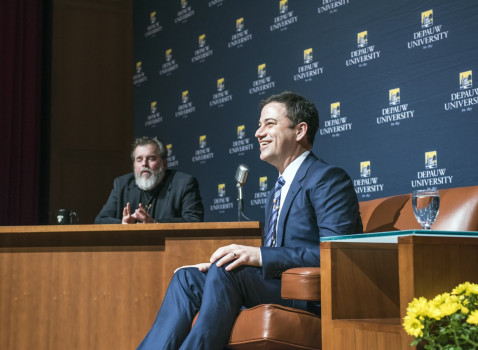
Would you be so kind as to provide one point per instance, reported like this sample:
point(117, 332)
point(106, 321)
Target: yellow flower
point(473, 288)
point(441, 298)
point(473, 318)
point(426, 319)
point(448, 309)
point(434, 311)
point(413, 326)
point(466, 288)
point(461, 288)
point(418, 307)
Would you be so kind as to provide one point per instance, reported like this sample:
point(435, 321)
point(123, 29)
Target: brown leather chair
point(271, 326)
point(277, 327)
point(458, 212)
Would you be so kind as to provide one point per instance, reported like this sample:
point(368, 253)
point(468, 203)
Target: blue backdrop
point(392, 80)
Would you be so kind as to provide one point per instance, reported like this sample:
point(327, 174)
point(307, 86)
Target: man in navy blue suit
point(310, 200)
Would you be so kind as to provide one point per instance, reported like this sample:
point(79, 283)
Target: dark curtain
point(21, 63)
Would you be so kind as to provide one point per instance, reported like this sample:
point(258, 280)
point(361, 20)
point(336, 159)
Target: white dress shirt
point(288, 176)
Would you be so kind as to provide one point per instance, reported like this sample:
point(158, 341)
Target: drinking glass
point(426, 204)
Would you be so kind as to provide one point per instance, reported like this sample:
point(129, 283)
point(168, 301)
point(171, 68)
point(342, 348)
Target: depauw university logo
point(335, 110)
point(308, 56)
point(202, 40)
point(185, 96)
point(220, 85)
point(362, 39)
point(261, 70)
point(221, 190)
point(283, 6)
point(394, 96)
point(240, 24)
point(365, 170)
point(139, 66)
point(184, 3)
point(431, 160)
point(168, 55)
point(427, 19)
point(241, 132)
point(466, 80)
point(154, 107)
point(432, 176)
point(172, 162)
point(467, 97)
point(263, 183)
point(202, 141)
point(367, 185)
point(285, 17)
point(152, 17)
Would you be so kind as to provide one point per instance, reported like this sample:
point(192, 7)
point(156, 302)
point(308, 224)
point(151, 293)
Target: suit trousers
point(218, 295)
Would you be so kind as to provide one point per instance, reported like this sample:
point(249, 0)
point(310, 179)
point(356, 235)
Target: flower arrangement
point(449, 321)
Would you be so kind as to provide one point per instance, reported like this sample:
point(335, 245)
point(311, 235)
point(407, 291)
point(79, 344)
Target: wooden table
point(368, 281)
point(97, 286)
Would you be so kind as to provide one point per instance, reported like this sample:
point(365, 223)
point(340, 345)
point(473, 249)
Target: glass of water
point(426, 204)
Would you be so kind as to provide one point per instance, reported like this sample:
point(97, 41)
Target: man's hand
point(127, 218)
point(141, 215)
point(203, 267)
point(238, 254)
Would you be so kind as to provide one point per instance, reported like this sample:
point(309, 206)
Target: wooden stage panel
point(78, 299)
point(95, 286)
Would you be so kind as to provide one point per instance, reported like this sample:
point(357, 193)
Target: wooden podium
point(368, 280)
point(97, 286)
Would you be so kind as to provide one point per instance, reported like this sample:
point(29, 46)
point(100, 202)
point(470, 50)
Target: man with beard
point(152, 193)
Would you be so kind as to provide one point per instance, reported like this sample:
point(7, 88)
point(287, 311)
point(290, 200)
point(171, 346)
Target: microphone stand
point(240, 203)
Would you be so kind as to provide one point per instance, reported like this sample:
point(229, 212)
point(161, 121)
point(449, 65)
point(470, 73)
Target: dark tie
point(270, 239)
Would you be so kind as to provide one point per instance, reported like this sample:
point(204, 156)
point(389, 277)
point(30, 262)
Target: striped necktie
point(270, 239)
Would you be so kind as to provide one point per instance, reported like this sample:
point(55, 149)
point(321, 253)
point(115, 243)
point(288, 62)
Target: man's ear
point(301, 131)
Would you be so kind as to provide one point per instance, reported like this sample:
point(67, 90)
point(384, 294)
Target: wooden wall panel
point(91, 102)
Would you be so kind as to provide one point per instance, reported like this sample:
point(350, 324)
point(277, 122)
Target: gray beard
point(147, 184)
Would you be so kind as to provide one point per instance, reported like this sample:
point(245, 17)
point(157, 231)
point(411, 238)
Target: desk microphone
point(241, 177)
point(241, 174)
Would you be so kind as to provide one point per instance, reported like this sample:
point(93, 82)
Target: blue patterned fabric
point(270, 239)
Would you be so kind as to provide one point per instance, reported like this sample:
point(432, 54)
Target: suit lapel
point(295, 187)
point(164, 193)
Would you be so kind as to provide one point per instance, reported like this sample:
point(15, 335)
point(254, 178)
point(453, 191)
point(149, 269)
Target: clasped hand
point(139, 215)
point(236, 254)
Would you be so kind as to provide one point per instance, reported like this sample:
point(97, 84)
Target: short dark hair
point(145, 140)
point(298, 110)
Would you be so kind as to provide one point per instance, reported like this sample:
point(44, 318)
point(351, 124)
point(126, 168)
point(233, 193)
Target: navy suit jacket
point(177, 199)
point(321, 202)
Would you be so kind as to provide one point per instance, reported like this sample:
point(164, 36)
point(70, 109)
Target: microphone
point(241, 174)
point(241, 177)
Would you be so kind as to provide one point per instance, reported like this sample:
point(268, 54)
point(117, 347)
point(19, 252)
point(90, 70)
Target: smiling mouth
point(263, 144)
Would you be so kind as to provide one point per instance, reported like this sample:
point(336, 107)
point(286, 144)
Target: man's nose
point(258, 133)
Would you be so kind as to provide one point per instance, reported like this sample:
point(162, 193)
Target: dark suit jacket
point(177, 199)
point(321, 202)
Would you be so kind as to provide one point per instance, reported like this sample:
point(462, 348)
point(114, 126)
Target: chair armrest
point(301, 283)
